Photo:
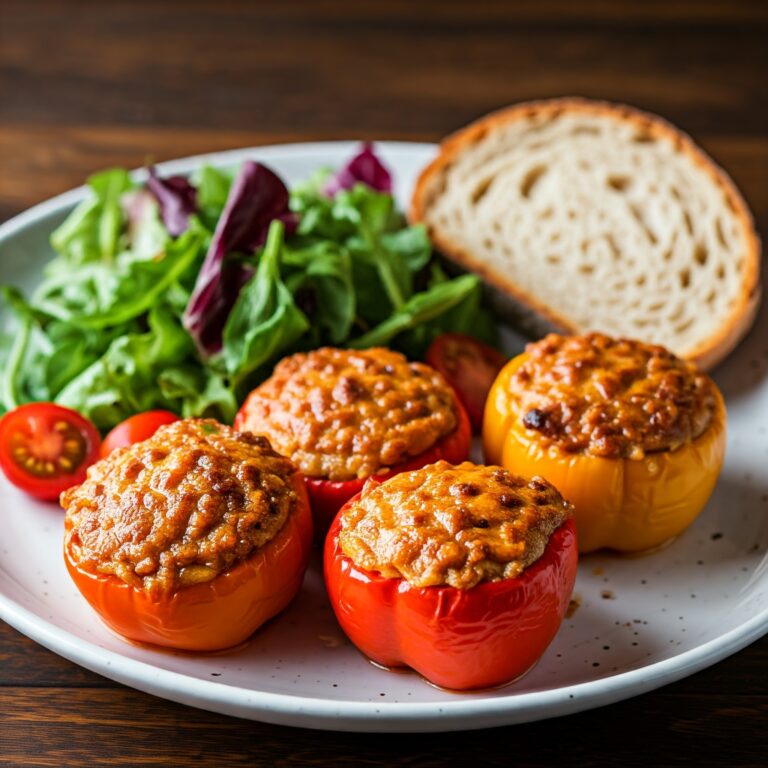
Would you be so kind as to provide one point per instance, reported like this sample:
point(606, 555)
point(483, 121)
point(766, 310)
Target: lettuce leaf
point(146, 234)
point(124, 380)
point(182, 294)
point(200, 392)
point(100, 295)
point(15, 348)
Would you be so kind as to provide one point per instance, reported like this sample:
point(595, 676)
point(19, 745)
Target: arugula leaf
point(265, 321)
point(386, 254)
point(468, 316)
point(319, 276)
point(420, 309)
point(411, 244)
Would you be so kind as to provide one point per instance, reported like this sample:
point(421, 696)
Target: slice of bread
point(598, 217)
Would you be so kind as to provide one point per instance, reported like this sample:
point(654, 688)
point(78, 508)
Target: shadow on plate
point(747, 366)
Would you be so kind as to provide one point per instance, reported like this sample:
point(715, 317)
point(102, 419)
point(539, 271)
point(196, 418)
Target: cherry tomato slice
point(470, 367)
point(135, 429)
point(46, 448)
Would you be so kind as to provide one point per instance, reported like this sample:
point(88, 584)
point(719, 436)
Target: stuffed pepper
point(343, 416)
point(462, 573)
point(629, 433)
point(191, 539)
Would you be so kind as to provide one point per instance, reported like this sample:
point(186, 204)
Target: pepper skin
point(458, 639)
point(624, 504)
point(326, 497)
point(213, 615)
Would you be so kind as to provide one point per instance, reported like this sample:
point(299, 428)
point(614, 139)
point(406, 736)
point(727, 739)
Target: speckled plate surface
point(637, 623)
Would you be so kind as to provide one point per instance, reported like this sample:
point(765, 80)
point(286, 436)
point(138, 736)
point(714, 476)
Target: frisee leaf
point(91, 233)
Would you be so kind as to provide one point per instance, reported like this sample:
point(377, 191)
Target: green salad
point(182, 294)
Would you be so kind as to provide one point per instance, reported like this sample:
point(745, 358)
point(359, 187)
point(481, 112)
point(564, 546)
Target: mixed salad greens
point(182, 294)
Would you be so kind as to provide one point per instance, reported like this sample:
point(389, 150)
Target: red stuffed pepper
point(462, 573)
point(343, 416)
point(191, 539)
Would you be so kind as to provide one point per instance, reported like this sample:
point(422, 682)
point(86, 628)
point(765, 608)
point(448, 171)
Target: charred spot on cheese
point(615, 398)
point(451, 525)
point(465, 489)
point(535, 419)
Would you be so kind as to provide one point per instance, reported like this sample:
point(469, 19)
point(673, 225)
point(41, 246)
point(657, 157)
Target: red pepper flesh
point(327, 497)
point(481, 637)
point(213, 615)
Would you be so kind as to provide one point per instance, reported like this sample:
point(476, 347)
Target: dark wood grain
point(87, 84)
point(58, 726)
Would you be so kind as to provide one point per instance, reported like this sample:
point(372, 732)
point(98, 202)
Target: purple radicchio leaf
point(177, 199)
point(256, 198)
point(364, 168)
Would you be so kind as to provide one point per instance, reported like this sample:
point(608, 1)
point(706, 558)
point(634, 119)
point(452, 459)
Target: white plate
point(642, 622)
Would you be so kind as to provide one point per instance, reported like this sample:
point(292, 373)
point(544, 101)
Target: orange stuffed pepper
point(629, 433)
point(462, 573)
point(191, 539)
point(345, 415)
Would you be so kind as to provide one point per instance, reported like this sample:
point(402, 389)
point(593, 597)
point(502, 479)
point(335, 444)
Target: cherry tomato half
point(470, 367)
point(46, 448)
point(135, 429)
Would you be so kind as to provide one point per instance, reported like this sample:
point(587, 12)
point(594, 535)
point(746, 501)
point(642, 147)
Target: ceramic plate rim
point(331, 714)
point(327, 714)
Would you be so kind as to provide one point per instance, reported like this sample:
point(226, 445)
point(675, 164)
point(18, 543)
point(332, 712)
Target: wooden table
point(84, 85)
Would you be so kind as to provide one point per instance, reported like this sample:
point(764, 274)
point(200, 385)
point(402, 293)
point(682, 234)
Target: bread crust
point(709, 352)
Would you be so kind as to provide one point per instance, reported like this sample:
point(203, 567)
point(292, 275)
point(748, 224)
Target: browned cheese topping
point(343, 414)
point(452, 525)
point(611, 397)
point(179, 508)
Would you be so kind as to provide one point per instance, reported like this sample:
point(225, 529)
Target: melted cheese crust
point(180, 508)
point(610, 397)
point(343, 414)
point(452, 525)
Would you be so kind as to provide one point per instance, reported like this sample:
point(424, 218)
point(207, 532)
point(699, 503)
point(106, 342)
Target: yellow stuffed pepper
point(630, 434)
